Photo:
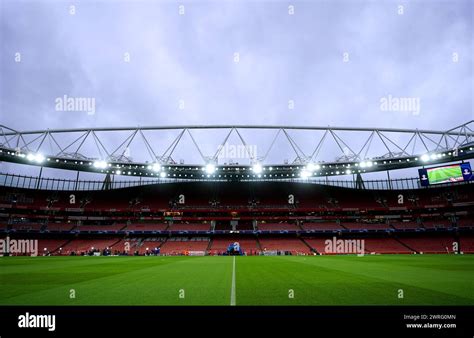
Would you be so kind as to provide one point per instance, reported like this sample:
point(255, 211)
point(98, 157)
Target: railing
point(46, 183)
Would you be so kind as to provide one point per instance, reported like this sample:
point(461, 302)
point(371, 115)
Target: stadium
point(288, 216)
point(263, 165)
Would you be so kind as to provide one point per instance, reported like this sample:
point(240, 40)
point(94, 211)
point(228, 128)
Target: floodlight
point(38, 158)
point(257, 168)
point(156, 167)
point(305, 174)
point(100, 164)
point(210, 168)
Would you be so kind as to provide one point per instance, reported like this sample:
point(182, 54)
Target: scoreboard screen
point(445, 174)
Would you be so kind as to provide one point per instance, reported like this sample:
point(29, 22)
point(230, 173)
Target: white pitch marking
point(232, 290)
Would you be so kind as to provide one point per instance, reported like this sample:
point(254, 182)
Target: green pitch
point(310, 280)
point(444, 175)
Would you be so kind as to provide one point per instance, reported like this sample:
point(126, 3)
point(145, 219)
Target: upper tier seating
point(365, 226)
point(190, 227)
point(60, 226)
point(277, 226)
point(322, 226)
point(404, 225)
point(147, 227)
point(113, 227)
point(235, 195)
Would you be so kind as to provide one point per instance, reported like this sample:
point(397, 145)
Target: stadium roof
point(314, 151)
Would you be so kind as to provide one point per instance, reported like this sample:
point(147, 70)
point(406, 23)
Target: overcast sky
point(236, 62)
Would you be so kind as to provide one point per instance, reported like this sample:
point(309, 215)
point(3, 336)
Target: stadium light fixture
point(425, 158)
point(305, 174)
point(38, 158)
point(210, 168)
point(257, 168)
point(311, 167)
point(162, 174)
point(100, 164)
point(366, 164)
point(156, 167)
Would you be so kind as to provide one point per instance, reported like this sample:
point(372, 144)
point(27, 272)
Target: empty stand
point(284, 244)
point(176, 246)
point(386, 246)
point(146, 227)
point(428, 244)
point(365, 226)
point(50, 245)
point(85, 245)
point(148, 244)
point(465, 223)
point(190, 227)
point(220, 245)
point(60, 226)
point(322, 246)
point(322, 226)
point(439, 223)
point(100, 228)
point(278, 226)
point(467, 244)
point(144, 217)
point(404, 225)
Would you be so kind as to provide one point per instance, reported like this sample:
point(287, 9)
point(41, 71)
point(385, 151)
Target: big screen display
point(445, 174)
